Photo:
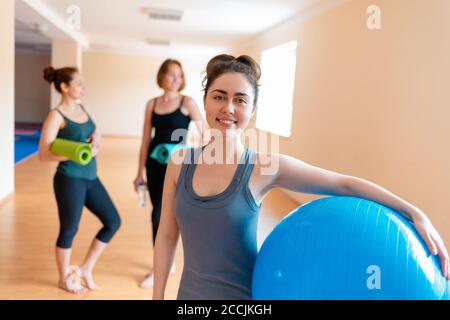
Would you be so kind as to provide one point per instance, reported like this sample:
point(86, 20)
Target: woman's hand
point(433, 240)
point(95, 144)
point(137, 181)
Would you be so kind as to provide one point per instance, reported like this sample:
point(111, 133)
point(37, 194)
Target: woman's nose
point(229, 106)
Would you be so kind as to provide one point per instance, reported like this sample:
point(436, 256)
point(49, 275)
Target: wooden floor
point(29, 227)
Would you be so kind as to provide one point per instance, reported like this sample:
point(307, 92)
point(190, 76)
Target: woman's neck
point(68, 103)
point(229, 147)
point(170, 95)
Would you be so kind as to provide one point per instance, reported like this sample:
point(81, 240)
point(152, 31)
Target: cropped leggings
point(155, 182)
point(72, 194)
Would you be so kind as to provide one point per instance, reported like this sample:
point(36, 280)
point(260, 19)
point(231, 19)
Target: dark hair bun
point(49, 74)
point(249, 61)
point(214, 62)
point(224, 60)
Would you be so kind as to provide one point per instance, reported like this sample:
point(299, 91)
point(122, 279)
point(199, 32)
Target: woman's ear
point(64, 87)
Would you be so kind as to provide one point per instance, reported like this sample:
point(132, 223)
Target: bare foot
point(77, 290)
point(72, 282)
point(86, 275)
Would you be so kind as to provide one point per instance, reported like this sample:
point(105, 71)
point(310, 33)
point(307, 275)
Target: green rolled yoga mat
point(78, 152)
point(163, 151)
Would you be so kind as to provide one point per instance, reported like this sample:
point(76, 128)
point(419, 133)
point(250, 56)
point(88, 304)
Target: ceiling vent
point(162, 14)
point(157, 42)
point(37, 28)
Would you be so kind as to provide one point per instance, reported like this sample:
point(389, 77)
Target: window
point(277, 89)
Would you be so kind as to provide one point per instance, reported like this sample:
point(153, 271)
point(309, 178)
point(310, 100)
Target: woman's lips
point(227, 123)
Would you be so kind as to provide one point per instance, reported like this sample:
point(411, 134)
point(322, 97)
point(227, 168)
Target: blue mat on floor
point(26, 144)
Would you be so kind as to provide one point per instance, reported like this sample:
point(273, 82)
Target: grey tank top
point(218, 234)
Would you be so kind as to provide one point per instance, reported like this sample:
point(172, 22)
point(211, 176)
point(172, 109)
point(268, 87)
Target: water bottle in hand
point(141, 193)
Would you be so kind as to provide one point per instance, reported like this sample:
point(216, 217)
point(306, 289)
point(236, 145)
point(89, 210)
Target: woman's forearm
point(48, 156)
point(143, 157)
point(365, 189)
point(162, 261)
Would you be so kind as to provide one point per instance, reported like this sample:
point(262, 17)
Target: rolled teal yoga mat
point(78, 152)
point(163, 151)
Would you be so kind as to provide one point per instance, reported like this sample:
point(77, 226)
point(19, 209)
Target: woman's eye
point(242, 101)
point(219, 98)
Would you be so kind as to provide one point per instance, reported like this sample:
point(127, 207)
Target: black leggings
point(155, 182)
point(72, 194)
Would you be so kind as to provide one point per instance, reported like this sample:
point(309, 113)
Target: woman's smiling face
point(173, 79)
point(229, 103)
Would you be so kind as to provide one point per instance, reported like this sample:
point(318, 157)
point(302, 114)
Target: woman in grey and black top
point(215, 206)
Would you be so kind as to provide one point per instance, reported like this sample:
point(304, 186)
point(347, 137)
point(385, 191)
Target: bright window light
point(277, 89)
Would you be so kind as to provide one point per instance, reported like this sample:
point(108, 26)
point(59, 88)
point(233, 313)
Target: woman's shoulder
point(264, 157)
point(151, 101)
point(178, 158)
point(150, 106)
point(188, 101)
point(55, 113)
point(266, 164)
point(54, 119)
point(187, 98)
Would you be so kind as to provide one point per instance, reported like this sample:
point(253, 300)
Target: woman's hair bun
point(49, 74)
point(249, 61)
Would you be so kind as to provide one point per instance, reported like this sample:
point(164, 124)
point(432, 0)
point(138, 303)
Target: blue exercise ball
point(346, 248)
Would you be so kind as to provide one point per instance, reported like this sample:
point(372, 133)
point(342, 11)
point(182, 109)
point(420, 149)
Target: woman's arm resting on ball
point(167, 236)
point(298, 176)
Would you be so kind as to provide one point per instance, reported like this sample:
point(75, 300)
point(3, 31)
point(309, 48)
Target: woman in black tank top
point(167, 113)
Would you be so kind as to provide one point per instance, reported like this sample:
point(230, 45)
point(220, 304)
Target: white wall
point(65, 53)
point(6, 97)
point(118, 87)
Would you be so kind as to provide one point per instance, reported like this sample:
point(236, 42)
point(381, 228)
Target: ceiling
point(121, 25)
point(31, 38)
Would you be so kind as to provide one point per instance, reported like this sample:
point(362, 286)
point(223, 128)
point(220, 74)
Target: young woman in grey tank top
point(214, 207)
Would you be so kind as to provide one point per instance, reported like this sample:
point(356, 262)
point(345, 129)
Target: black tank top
point(166, 124)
